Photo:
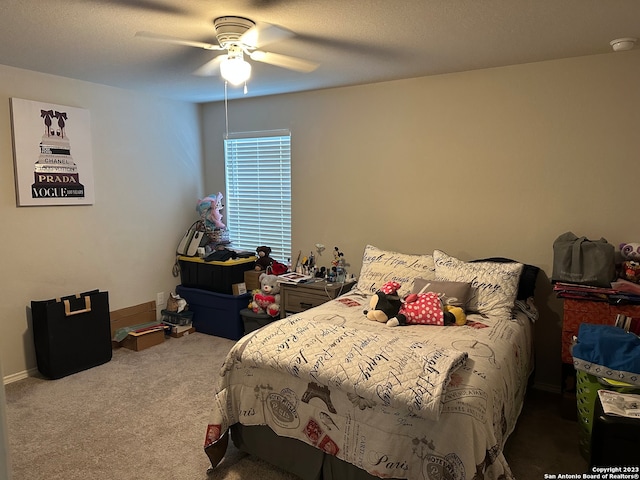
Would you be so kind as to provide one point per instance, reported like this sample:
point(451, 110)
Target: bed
point(329, 394)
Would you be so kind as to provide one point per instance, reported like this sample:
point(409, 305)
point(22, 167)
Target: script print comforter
point(416, 402)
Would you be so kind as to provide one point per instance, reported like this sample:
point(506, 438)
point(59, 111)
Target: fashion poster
point(52, 154)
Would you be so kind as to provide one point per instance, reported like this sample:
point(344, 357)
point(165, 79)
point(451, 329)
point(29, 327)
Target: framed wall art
point(52, 154)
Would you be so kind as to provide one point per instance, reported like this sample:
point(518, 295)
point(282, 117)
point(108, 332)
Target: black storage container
point(213, 276)
point(253, 321)
point(615, 440)
point(71, 333)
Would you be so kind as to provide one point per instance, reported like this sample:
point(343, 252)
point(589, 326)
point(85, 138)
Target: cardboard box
point(239, 288)
point(142, 340)
point(252, 280)
point(181, 330)
point(136, 315)
point(126, 317)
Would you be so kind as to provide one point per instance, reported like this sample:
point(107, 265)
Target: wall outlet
point(160, 301)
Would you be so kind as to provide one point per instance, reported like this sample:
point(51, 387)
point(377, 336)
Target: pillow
point(527, 284)
point(494, 285)
point(451, 293)
point(382, 266)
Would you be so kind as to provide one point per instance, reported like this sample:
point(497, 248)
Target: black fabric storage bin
point(72, 333)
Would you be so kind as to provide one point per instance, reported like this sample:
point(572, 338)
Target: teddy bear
point(415, 308)
point(264, 260)
point(210, 210)
point(267, 298)
point(630, 268)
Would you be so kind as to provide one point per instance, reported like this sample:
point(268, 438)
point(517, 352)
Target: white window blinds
point(258, 200)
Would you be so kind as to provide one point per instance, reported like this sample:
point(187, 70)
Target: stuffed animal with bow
point(264, 260)
point(210, 210)
point(414, 309)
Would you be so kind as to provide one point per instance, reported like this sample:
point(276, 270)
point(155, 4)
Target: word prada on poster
point(52, 154)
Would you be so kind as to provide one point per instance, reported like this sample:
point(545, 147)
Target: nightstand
point(295, 298)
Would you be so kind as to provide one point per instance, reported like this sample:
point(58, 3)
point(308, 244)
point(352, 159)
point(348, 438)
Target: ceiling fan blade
point(211, 68)
point(264, 33)
point(177, 41)
point(147, 6)
point(285, 61)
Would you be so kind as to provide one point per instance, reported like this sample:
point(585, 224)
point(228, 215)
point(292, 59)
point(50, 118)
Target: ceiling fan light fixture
point(236, 70)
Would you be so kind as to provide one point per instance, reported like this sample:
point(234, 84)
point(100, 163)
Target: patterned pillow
point(381, 266)
point(451, 293)
point(494, 286)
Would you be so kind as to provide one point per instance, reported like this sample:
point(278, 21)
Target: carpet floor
point(143, 416)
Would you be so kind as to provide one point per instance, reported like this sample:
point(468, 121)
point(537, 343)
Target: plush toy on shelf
point(426, 308)
point(630, 251)
point(630, 269)
point(264, 260)
point(267, 298)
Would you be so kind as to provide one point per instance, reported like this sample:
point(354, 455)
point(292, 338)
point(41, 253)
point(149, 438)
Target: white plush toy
point(630, 251)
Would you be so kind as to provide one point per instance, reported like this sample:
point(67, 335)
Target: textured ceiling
point(355, 42)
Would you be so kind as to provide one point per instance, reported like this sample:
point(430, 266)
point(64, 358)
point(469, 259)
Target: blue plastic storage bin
point(216, 313)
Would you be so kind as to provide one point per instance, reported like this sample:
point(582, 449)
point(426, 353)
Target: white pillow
point(494, 286)
point(382, 266)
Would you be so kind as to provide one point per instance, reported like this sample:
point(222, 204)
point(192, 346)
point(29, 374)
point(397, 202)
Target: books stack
point(583, 292)
point(621, 292)
point(628, 324)
point(178, 323)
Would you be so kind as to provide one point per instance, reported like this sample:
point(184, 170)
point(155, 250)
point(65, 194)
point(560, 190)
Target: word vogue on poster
point(52, 154)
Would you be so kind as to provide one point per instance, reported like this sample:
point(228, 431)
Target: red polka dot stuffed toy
point(423, 309)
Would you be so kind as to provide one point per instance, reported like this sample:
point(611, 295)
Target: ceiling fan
point(239, 36)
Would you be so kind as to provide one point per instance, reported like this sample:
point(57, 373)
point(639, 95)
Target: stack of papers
point(293, 277)
point(621, 404)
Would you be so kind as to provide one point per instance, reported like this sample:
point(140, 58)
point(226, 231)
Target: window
point(258, 200)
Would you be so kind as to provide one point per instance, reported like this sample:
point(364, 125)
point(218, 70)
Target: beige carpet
point(143, 416)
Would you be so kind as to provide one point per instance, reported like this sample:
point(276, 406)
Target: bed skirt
point(293, 456)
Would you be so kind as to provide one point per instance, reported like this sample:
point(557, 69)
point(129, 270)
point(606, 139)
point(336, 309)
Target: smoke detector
point(622, 44)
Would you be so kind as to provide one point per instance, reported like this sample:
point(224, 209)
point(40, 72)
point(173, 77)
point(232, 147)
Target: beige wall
point(147, 163)
point(494, 162)
point(5, 465)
